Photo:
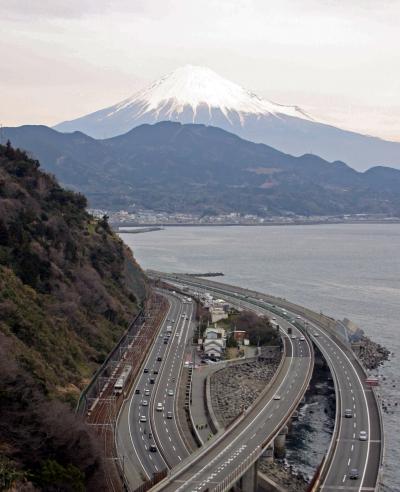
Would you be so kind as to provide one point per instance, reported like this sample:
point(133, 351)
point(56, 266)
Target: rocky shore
point(371, 354)
point(234, 388)
point(283, 475)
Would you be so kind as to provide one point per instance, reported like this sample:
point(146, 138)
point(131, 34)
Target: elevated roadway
point(227, 457)
point(347, 452)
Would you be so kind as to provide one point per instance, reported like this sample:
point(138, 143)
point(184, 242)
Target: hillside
point(64, 302)
point(193, 94)
point(194, 168)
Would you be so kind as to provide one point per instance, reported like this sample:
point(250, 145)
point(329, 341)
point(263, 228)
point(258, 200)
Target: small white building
point(214, 342)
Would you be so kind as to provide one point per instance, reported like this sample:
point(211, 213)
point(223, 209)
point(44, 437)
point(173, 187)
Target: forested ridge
point(65, 298)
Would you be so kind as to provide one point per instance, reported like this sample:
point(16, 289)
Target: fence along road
point(347, 451)
point(241, 445)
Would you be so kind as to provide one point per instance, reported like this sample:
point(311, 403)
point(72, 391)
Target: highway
point(243, 442)
point(350, 452)
point(140, 425)
point(347, 452)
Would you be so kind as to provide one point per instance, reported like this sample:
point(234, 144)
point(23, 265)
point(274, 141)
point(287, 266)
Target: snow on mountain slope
point(194, 94)
point(193, 86)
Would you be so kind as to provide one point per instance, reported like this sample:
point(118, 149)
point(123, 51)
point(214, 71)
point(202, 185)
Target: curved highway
point(354, 460)
point(241, 444)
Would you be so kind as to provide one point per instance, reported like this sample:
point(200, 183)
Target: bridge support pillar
point(249, 479)
point(268, 454)
point(279, 442)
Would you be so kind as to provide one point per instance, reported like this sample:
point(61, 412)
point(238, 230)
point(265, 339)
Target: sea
point(343, 270)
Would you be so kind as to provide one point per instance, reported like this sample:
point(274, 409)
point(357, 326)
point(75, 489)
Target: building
point(239, 336)
point(217, 313)
point(214, 342)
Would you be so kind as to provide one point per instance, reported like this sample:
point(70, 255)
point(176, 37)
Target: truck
point(122, 379)
point(289, 330)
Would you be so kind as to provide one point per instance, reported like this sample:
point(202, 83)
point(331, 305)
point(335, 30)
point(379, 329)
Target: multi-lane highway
point(352, 451)
point(353, 461)
point(243, 443)
point(149, 440)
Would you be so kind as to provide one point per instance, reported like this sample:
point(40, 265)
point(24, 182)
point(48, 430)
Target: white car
point(293, 337)
point(298, 317)
point(277, 397)
point(147, 392)
point(143, 418)
point(273, 319)
point(145, 403)
point(363, 436)
point(302, 339)
point(170, 392)
point(159, 407)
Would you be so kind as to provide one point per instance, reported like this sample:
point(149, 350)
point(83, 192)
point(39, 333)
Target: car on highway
point(143, 418)
point(159, 359)
point(363, 436)
point(137, 391)
point(277, 397)
point(155, 371)
point(165, 341)
point(293, 337)
point(145, 403)
point(316, 334)
point(298, 317)
point(145, 370)
point(171, 392)
point(152, 380)
point(159, 407)
point(348, 413)
point(354, 474)
point(147, 392)
point(152, 448)
point(273, 319)
point(169, 415)
point(302, 339)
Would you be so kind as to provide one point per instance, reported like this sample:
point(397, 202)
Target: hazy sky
point(337, 59)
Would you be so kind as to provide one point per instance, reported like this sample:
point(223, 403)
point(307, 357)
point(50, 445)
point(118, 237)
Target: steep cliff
point(68, 289)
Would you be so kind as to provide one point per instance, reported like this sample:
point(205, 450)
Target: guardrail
point(322, 470)
point(250, 460)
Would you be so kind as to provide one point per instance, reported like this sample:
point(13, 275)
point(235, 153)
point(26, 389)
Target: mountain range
point(202, 169)
point(194, 94)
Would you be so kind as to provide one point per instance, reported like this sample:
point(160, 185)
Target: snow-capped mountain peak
point(197, 87)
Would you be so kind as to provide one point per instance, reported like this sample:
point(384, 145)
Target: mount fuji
point(193, 94)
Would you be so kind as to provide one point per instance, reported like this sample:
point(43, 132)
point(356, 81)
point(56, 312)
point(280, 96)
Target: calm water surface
point(343, 270)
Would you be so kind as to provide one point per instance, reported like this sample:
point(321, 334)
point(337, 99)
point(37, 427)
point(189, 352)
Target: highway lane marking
point(348, 462)
point(344, 478)
point(352, 447)
point(192, 478)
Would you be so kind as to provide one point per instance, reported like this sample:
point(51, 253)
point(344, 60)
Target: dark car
point(155, 371)
point(152, 380)
point(137, 391)
point(145, 370)
point(353, 475)
point(159, 359)
point(152, 448)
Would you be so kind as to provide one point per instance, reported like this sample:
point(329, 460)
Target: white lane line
point(344, 478)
